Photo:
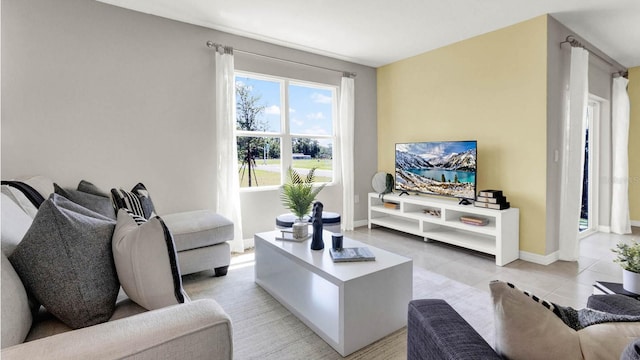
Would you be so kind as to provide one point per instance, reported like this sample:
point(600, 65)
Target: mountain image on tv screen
point(445, 168)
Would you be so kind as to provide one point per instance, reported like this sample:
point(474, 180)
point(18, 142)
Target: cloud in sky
point(272, 110)
point(316, 130)
point(321, 98)
point(315, 116)
point(297, 122)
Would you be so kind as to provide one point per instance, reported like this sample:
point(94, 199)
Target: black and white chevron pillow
point(137, 201)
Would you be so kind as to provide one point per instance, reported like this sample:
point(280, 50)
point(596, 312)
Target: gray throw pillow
point(65, 260)
point(88, 187)
point(100, 204)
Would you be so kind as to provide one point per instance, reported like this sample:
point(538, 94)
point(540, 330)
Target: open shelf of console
point(439, 219)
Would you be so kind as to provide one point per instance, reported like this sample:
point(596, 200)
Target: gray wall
point(600, 81)
point(96, 92)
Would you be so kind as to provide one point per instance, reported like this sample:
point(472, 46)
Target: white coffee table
point(349, 305)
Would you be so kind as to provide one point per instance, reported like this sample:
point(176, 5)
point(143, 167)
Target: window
point(270, 140)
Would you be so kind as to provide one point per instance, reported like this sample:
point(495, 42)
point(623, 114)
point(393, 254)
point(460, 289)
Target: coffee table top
point(320, 262)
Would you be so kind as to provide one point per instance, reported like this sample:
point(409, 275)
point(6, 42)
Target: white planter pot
point(631, 281)
point(300, 229)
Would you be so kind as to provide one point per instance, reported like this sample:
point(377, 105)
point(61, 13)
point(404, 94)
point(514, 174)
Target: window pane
point(259, 161)
point(313, 153)
point(310, 110)
point(257, 104)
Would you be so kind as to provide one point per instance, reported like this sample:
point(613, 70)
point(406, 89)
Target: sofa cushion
point(28, 193)
point(65, 261)
point(607, 341)
point(146, 262)
point(41, 184)
point(15, 223)
point(20, 199)
point(16, 314)
point(101, 205)
point(199, 228)
point(526, 329)
point(137, 200)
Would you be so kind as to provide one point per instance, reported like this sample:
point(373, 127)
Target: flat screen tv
point(445, 168)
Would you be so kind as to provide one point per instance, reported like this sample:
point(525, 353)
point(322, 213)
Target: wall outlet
point(356, 199)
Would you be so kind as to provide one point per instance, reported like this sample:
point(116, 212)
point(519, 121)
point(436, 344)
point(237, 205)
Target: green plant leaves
point(298, 193)
point(628, 256)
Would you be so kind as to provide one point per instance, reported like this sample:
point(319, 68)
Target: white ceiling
point(378, 32)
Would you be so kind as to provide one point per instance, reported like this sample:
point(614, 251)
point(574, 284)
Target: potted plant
point(298, 194)
point(629, 259)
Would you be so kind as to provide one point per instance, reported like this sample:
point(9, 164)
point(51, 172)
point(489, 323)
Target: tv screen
point(446, 168)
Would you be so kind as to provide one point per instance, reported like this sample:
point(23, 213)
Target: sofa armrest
point(436, 331)
point(614, 304)
point(195, 330)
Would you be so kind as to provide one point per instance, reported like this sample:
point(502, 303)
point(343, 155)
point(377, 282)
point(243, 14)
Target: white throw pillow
point(20, 199)
point(41, 184)
point(526, 329)
point(146, 262)
point(15, 223)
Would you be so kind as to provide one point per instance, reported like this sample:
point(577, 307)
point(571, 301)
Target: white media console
point(439, 219)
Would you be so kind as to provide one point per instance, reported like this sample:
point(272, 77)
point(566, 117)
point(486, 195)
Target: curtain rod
point(211, 44)
point(575, 43)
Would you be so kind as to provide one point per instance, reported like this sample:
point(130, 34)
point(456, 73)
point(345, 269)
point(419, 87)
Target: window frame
point(285, 135)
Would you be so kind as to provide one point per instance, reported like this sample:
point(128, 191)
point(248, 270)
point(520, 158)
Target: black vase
point(316, 220)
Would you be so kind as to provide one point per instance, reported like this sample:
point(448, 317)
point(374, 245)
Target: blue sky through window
point(310, 108)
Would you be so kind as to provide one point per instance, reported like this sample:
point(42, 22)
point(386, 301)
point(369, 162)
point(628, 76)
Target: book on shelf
point(351, 254)
point(490, 193)
point(474, 220)
point(502, 206)
point(391, 205)
point(493, 200)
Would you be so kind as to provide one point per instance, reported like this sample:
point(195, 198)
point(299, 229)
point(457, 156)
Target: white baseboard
point(635, 223)
point(539, 259)
point(604, 229)
point(359, 223)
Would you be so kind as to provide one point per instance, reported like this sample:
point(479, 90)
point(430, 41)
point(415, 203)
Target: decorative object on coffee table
point(316, 220)
point(629, 259)
point(604, 287)
point(298, 193)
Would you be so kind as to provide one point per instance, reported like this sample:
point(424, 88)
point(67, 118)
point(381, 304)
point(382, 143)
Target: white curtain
point(347, 116)
point(620, 220)
point(227, 184)
point(573, 141)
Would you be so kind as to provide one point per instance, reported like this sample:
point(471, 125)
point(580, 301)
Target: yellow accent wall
point(634, 144)
point(491, 88)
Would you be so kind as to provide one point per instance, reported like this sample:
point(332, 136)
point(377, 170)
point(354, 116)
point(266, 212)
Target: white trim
point(604, 229)
point(539, 259)
point(635, 223)
point(359, 223)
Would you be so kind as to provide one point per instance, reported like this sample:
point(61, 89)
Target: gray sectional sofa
point(188, 330)
point(436, 331)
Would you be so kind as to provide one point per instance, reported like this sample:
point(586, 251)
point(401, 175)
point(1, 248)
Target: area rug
point(264, 329)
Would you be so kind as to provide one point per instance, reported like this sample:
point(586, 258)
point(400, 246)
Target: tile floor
point(564, 283)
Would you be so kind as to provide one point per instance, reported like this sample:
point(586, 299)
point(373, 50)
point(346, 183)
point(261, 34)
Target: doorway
point(588, 222)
